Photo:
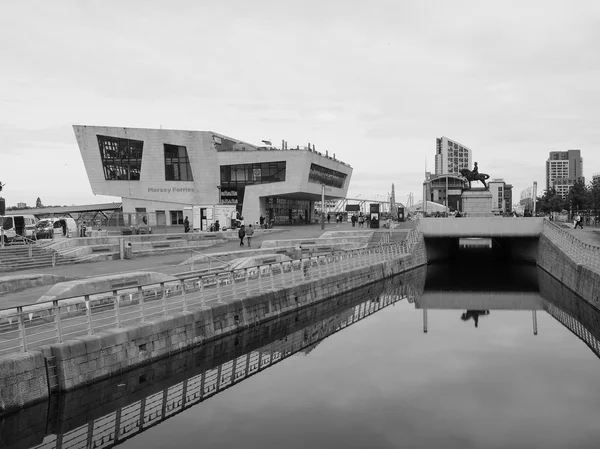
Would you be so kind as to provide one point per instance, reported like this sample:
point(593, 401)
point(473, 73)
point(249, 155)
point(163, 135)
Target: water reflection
point(454, 385)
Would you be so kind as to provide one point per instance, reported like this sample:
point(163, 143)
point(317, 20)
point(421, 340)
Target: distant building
point(451, 157)
point(563, 170)
point(526, 201)
point(501, 196)
point(444, 189)
point(21, 205)
point(595, 176)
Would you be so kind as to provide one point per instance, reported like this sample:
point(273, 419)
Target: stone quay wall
point(88, 359)
point(566, 267)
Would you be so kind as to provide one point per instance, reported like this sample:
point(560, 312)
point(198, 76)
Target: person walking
point(242, 234)
point(186, 225)
point(328, 218)
point(249, 234)
point(578, 222)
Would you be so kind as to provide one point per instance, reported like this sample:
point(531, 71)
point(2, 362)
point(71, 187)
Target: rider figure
point(475, 171)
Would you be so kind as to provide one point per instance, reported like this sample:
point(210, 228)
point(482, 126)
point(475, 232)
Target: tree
point(38, 202)
point(550, 201)
point(579, 196)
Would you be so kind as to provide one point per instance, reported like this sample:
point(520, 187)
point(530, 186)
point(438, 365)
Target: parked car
point(44, 229)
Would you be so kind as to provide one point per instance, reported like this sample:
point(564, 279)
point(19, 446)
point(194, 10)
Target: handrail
point(208, 256)
point(34, 325)
point(580, 252)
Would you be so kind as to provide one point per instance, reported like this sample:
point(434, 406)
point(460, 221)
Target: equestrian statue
point(474, 176)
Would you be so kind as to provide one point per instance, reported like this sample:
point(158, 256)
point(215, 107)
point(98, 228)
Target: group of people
point(247, 233)
point(360, 219)
point(338, 218)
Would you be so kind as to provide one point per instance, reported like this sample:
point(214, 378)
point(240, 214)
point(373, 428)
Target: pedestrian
point(353, 219)
point(242, 234)
point(186, 225)
point(217, 226)
point(578, 221)
point(83, 229)
point(328, 218)
point(249, 234)
point(262, 221)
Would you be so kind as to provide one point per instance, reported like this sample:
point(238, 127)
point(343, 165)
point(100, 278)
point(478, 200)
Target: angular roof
point(61, 210)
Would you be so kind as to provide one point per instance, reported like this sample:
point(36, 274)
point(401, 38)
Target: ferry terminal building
point(169, 174)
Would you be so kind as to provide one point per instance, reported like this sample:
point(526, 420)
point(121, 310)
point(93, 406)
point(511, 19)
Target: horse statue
point(470, 176)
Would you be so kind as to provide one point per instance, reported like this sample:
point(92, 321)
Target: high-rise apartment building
point(451, 157)
point(563, 170)
point(501, 196)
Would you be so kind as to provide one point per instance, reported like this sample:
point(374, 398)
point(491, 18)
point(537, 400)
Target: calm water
point(365, 374)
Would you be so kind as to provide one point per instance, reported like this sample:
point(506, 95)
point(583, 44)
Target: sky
point(373, 82)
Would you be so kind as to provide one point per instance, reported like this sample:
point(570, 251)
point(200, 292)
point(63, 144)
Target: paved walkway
point(589, 234)
point(167, 263)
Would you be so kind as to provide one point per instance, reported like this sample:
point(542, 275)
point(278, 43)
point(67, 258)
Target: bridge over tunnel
point(485, 240)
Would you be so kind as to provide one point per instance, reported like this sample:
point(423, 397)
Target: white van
point(64, 225)
point(18, 226)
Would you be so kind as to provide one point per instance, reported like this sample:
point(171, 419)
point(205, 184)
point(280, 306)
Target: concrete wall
point(88, 359)
point(481, 227)
point(576, 277)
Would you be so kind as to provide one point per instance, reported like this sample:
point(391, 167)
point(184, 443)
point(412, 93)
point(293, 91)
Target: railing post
point(183, 295)
point(53, 258)
point(247, 282)
point(260, 279)
point(282, 274)
point(58, 321)
point(22, 332)
point(164, 297)
point(272, 276)
point(141, 292)
point(219, 295)
point(233, 289)
point(117, 307)
point(202, 298)
point(88, 306)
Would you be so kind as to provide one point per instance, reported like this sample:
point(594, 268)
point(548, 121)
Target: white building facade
point(165, 172)
point(451, 157)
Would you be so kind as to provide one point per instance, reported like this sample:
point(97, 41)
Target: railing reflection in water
point(134, 418)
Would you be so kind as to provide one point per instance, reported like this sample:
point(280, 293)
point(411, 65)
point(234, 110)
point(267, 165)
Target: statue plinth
point(477, 203)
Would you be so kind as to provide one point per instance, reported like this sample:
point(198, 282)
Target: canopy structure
point(429, 207)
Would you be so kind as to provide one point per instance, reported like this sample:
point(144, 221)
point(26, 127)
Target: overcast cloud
point(373, 82)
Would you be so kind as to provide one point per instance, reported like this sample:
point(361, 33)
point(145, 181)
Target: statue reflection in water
point(474, 315)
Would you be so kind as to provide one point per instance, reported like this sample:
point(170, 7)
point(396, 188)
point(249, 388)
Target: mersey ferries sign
point(171, 190)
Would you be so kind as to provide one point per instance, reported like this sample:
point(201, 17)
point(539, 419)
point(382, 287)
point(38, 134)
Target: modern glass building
point(162, 172)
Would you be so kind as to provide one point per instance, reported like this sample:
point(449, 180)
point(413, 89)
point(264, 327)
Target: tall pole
point(322, 206)
point(534, 196)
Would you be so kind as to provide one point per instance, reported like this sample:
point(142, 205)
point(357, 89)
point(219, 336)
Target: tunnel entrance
point(482, 249)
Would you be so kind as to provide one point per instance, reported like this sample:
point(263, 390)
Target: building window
point(176, 217)
point(121, 158)
point(242, 174)
point(177, 164)
point(323, 175)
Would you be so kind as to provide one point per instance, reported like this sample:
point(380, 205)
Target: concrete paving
point(166, 263)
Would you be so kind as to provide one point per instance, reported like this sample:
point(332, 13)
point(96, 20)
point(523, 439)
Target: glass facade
point(323, 175)
point(242, 174)
point(177, 163)
point(288, 211)
point(121, 158)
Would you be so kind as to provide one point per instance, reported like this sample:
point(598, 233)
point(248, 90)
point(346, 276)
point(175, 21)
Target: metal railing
point(137, 417)
point(578, 251)
point(210, 259)
point(31, 326)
